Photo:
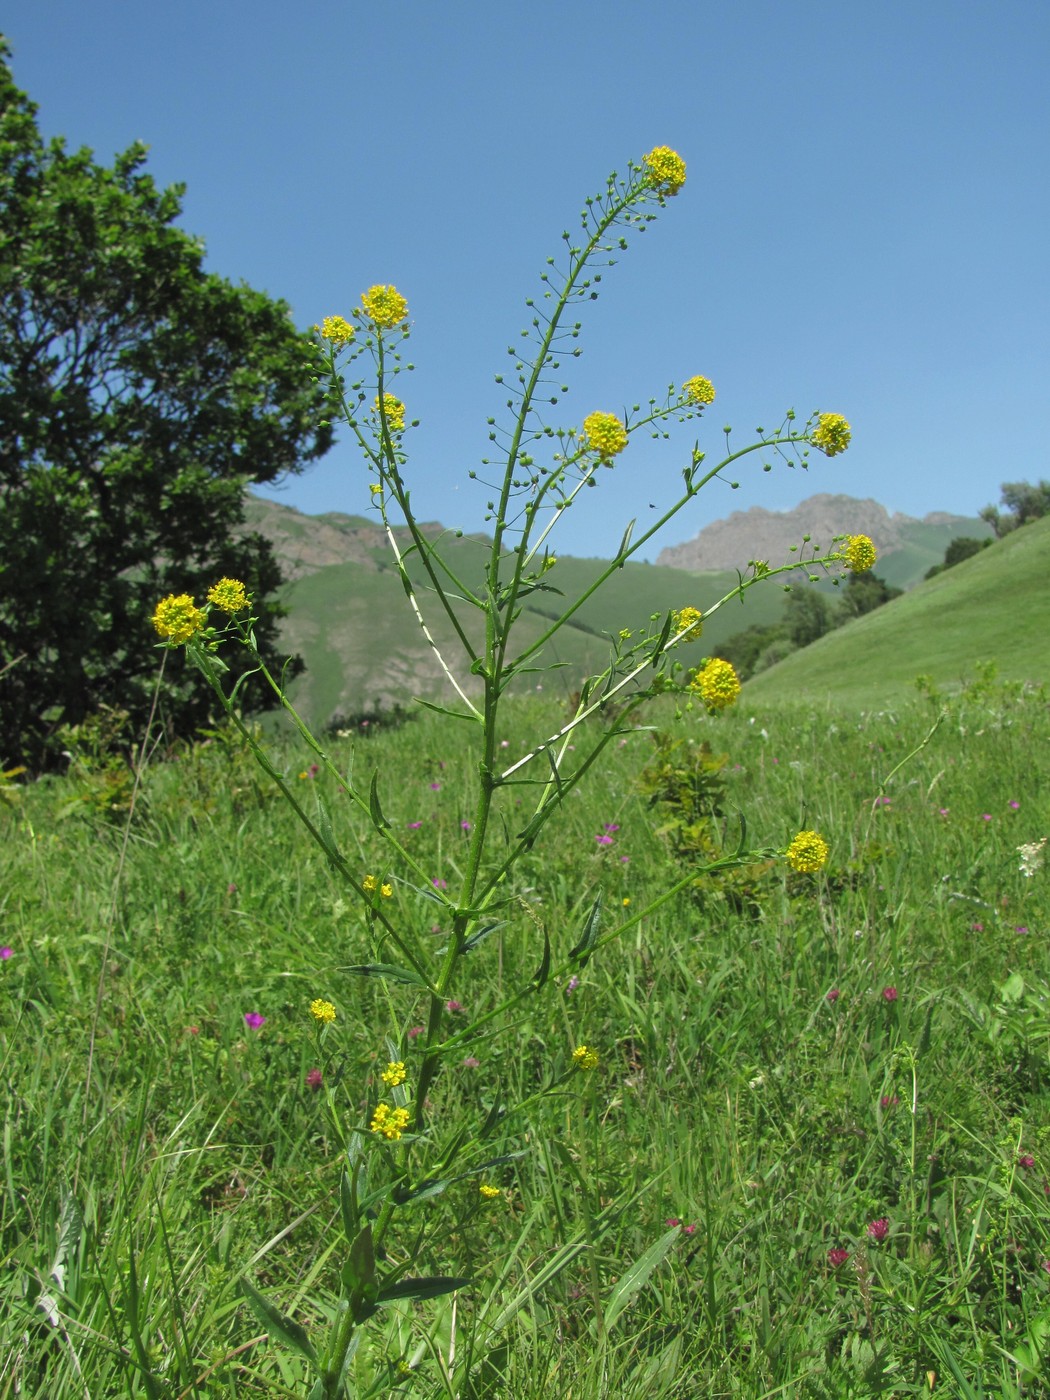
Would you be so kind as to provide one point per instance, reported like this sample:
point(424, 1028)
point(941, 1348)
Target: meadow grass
point(787, 1061)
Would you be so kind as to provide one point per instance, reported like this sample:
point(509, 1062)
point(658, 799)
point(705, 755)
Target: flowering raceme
point(859, 553)
point(718, 684)
point(605, 434)
point(807, 853)
point(177, 618)
point(394, 412)
point(583, 1057)
point(699, 391)
point(384, 306)
point(389, 1122)
point(336, 329)
point(688, 621)
point(832, 434)
point(228, 595)
point(322, 1011)
point(664, 170)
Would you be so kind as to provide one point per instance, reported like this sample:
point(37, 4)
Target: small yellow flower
point(394, 410)
point(832, 434)
point(664, 170)
point(386, 891)
point(625, 634)
point(605, 434)
point(489, 1192)
point(337, 329)
point(583, 1057)
point(370, 884)
point(718, 685)
point(384, 306)
point(688, 621)
point(394, 1074)
point(322, 1011)
point(376, 489)
point(177, 618)
point(859, 553)
point(808, 853)
point(626, 900)
point(228, 595)
point(699, 390)
point(389, 1122)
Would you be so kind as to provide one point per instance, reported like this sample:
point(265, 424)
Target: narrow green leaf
point(276, 1322)
point(443, 710)
point(422, 1288)
point(348, 1204)
point(637, 1276)
point(388, 972)
point(325, 830)
point(621, 553)
point(472, 942)
point(544, 969)
point(589, 937)
point(374, 810)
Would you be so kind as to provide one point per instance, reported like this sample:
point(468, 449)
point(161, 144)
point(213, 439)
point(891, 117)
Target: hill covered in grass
point(992, 607)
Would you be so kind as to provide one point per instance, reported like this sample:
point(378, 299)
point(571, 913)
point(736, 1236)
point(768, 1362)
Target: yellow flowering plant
point(396, 1165)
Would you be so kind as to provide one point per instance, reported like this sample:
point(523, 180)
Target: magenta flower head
point(889, 1101)
point(672, 1222)
point(688, 1229)
point(471, 1063)
point(878, 1229)
point(5, 953)
point(314, 1079)
point(1026, 1160)
point(889, 993)
point(413, 1031)
point(1013, 806)
point(254, 1020)
point(453, 1006)
point(571, 985)
point(604, 840)
point(837, 1257)
point(833, 995)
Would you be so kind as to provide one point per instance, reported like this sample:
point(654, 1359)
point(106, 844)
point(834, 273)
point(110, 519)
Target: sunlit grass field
point(814, 1159)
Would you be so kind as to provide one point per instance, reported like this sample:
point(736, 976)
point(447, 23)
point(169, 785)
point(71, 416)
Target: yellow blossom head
point(699, 391)
point(688, 621)
point(322, 1011)
point(370, 884)
point(583, 1057)
point(337, 329)
point(859, 553)
point(832, 434)
point(394, 1074)
point(605, 434)
point(389, 1122)
point(664, 170)
point(228, 595)
point(393, 411)
point(808, 853)
point(718, 685)
point(489, 1192)
point(177, 618)
point(384, 306)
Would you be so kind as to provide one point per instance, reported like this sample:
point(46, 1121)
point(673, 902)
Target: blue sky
point(864, 227)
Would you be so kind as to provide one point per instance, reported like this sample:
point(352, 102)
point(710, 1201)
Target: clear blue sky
point(864, 228)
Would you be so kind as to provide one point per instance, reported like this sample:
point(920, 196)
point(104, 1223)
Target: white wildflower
point(1031, 857)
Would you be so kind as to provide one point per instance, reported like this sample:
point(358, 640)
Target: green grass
point(992, 607)
point(155, 1149)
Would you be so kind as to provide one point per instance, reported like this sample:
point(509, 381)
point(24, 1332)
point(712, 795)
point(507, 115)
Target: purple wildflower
point(837, 1257)
point(254, 1020)
point(878, 1229)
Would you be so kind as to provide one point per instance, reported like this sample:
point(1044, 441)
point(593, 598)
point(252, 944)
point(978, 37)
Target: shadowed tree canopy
point(139, 395)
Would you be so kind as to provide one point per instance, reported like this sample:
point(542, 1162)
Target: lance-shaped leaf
point(325, 831)
point(359, 1276)
point(637, 1276)
point(374, 810)
point(276, 1323)
point(589, 937)
point(422, 1288)
point(544, 969)
point(389, 972)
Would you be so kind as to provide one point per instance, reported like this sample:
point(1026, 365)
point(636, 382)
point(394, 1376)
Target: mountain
point(364, 650)
point(907, 547)
point(993, 607)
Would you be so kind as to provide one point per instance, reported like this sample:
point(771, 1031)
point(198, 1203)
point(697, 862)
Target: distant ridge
point(766, 534)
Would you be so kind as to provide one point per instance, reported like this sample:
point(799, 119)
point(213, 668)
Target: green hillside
point(993, 607)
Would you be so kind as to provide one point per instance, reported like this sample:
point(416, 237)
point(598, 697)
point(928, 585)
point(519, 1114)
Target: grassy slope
point(995, 606)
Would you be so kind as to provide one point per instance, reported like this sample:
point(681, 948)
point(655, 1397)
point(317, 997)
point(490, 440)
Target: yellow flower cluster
point(394, 411)
point(384, 306)
point(489, 1192)
point(859, 553)
point(177, 618)
point(370, 884)
point(689, 621)
point(389, 1122)
point(583, 1057)
point(664, 170)
point(322, 1011)
point(337, 329)
point(605, 434)
point(228, 595)
point(832, 434)
point(394, 1074)
point(699, 390)
point(718, 685)
point(808, 853)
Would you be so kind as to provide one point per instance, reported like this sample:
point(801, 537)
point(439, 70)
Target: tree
point(863, 594)
point(962, 547)
point(139, 395)
point(1024, 503)
point(807, 615)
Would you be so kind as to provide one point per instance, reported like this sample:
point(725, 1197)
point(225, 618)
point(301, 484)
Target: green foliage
point(862, 594)
point(138, 395)
point(962, 547)
point(1022, 502)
